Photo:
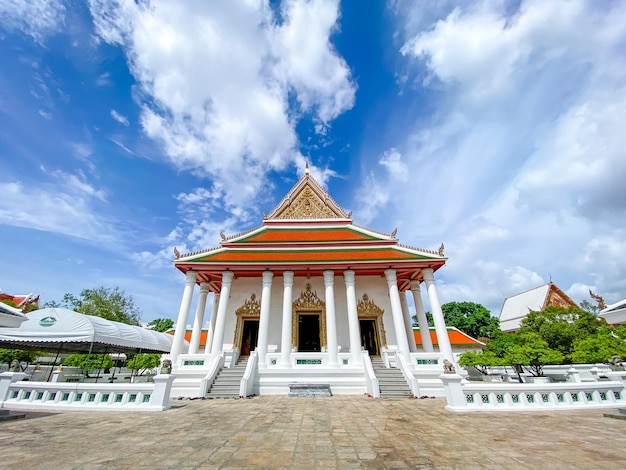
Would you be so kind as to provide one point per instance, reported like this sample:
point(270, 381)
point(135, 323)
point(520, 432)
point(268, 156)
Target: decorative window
point(545, 397)
point(65, 396)
point(469, 398)
point(500, 398)
point(530, 398)
point(560, 398)
point(105, 397)
point(575, 397)
point(515, 398)
point(485, 398)
point(589, 396)
point(603, 396)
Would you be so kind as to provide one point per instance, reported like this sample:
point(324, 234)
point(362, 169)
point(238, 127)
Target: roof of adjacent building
point(614, 313)
point(456, 336)
point(516, 307)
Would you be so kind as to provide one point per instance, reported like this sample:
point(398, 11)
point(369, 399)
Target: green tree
point(501, 343)
point(481, 361)
point(89, 362)
point(600, 347)
point(144, 362)
point(589, 307)
point(560, 327)
point(532, 352)
point(9, 356)
point(110, 303)
point(471, 318)
point(161, 324)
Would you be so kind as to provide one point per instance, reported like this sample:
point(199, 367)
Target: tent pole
point(88, 357)
point(101, 362)
point(55, 362)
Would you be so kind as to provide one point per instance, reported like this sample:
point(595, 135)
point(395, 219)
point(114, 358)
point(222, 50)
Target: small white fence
point(20, 395)
point(464, 396)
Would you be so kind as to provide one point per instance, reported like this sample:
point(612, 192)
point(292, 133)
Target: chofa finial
point(440, 251)
point(176, 253)
point(395, 231)
point(223, 236)
point(306, 168)
point(599, 299)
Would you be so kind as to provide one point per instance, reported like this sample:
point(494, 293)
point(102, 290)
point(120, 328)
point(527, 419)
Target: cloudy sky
point(131, 127)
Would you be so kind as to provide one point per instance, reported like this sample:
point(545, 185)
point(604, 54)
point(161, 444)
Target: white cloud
point(119, 117)
point(37, 18)
point(392, 161)
point(520, 168)
point(216, 80)
point(65, 205)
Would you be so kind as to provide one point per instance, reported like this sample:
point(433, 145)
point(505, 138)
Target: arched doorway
point(247, 328)
point(373, 337)
point(308, 316)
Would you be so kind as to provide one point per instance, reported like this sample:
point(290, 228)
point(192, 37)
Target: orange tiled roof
point(457, 338)
point(203, 335)
point(308, 234)
point(310, 256)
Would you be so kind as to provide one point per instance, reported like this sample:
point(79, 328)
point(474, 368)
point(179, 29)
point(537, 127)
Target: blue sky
point(496, 127)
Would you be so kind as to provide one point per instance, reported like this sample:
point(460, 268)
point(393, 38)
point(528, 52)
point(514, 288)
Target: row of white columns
point(399, 310)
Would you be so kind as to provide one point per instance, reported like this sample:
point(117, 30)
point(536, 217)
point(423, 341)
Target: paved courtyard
point(307, 433)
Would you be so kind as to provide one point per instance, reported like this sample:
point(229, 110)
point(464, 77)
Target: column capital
point(348, 275)
point(190, 277)
point(390, 274)
point(227, 277)
point(204, 288)
point(287, 277)
point(329, 277)
point(415, 286)
point(428, 274)
point(267, 278)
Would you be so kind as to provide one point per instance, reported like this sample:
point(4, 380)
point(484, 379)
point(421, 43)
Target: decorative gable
point(308, 200)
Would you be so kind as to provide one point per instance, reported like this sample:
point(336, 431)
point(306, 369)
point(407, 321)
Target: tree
point(89, 362)
point(481, 361)
point(161, 324)
point(110, 303)
point(560, 327)
point(533, 353)
point(589, 307)
point(600, 347)
point(471, 318)
point(144, 362)
point(8, 356)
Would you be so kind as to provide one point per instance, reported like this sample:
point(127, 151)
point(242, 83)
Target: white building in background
point(309, 297)
point(516, 307)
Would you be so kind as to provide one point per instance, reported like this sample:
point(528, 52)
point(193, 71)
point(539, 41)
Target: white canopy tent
point(54, 328)
point(10, 317)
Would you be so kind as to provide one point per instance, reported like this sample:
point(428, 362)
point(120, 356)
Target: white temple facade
point(308, 298)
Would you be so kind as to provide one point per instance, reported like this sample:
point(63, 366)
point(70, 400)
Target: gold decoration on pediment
point(307, 205)
point(251, 308)
point(367, 308)
point(308, 304)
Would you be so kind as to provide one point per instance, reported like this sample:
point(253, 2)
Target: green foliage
point(471, 318)
point(561, 327)
point(110, 303)
point(501, 343)
point(144, 362)
point(89, 362)
point(161, 324)
point(598, 348)
point(589, 307)
point(481, 361)
point(532, 352)
point(8, 356)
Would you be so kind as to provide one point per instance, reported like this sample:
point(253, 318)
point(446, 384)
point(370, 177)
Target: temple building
point(309, 297)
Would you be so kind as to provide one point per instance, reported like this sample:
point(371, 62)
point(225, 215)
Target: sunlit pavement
point(337, 432)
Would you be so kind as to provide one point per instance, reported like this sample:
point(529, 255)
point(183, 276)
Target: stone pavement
point(336, 432)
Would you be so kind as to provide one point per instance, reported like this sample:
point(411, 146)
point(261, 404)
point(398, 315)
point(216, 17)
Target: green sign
point(47, 321)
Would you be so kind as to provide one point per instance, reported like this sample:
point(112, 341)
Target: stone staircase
point(226, 384)
point(390, 381)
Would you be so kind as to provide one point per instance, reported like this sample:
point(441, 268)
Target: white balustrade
point(506, 396)
point(20, 395)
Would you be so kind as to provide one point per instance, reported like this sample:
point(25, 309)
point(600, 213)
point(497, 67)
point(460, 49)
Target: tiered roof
point(307, 232)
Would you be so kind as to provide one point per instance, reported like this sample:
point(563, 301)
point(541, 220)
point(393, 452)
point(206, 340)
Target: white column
point(285, 340)
point(183, 314)
point(408, 325)
point(422, 320)
point(220, 321)
point(435, 307)
point(211, 326)
point(396, 310)
point(264, 317)
point(197, 323)
point(353, 318)
point(331, 322)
